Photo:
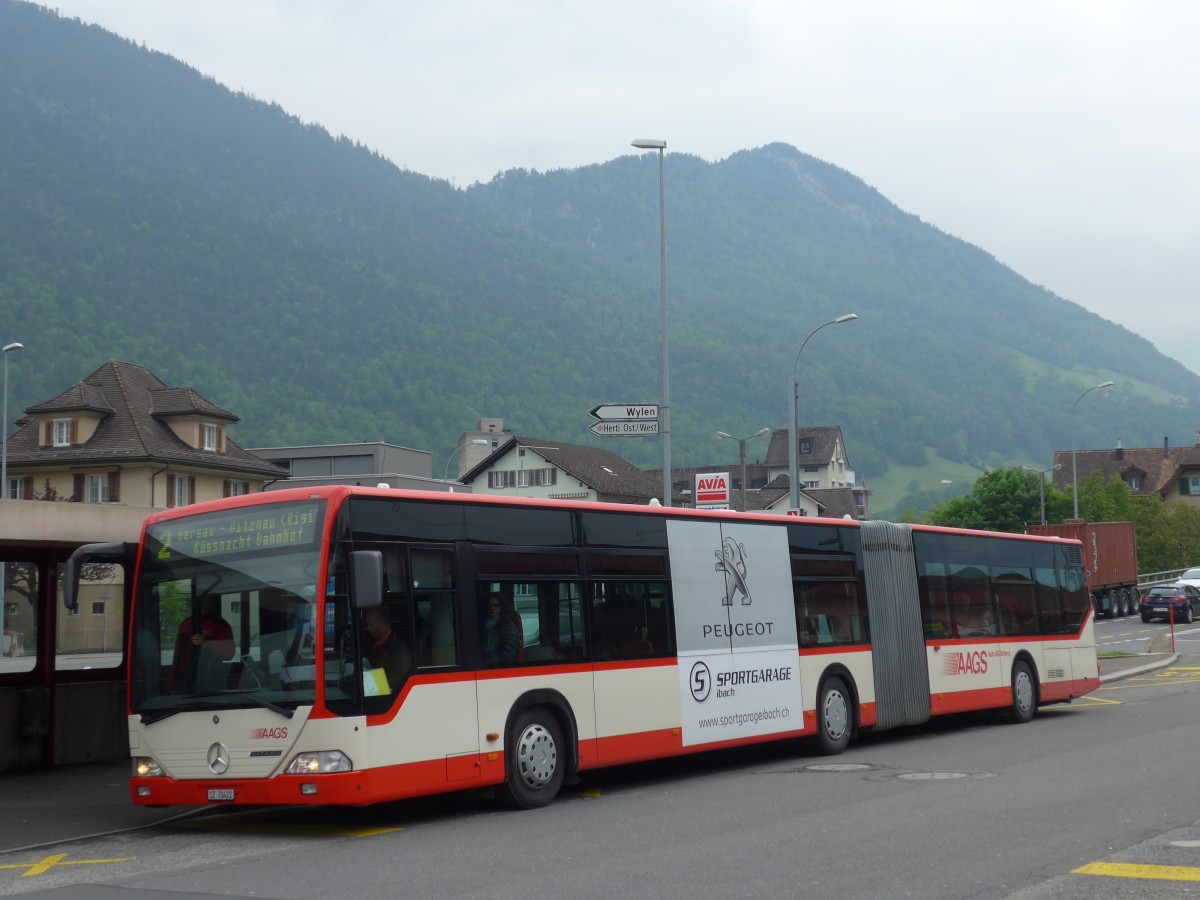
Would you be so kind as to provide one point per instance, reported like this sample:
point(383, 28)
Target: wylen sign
point(624, 412)
point(625, 419)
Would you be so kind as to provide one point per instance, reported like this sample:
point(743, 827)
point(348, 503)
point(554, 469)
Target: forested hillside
point(323, 294)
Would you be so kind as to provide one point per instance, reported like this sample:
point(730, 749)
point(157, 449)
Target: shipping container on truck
point(1110, 557)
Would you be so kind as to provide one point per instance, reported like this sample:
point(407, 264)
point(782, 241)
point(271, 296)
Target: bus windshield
point(225, 611)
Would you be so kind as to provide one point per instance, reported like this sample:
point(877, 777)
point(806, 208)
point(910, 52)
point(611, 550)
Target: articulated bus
point(326, 646)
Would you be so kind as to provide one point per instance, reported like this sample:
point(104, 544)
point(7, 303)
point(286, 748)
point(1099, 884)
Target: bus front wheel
point(1024, 692)
point(834, 718)
point(534, 761)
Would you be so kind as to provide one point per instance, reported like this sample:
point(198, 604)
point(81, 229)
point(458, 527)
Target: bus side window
point(434, 630)
point(432, 581)
point(935, 602)
point(829, 612)
point(630, 620)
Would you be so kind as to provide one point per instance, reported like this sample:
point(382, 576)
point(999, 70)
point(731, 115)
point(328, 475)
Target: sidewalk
point(1113, 668)
point(47, 806)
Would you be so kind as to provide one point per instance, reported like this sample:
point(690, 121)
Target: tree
point(1000, 500)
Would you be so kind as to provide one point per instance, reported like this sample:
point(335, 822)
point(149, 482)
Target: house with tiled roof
point(124, 436)
point(820, 457)
point(1171, 472)
point(546, 469)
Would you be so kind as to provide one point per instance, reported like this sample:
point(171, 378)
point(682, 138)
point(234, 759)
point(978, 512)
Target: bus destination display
point(249, 530)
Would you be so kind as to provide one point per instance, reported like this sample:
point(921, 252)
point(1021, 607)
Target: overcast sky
point(1061, 137)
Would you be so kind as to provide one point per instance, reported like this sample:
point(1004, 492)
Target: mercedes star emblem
point(218, 759)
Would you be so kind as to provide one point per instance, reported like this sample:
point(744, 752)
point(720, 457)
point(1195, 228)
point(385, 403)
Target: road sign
point(625, 429)
point(625, 412)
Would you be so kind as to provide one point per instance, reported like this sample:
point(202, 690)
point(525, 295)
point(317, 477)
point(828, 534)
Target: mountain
point(324, 294)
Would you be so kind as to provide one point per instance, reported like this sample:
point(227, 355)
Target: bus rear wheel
point(534, 760)
point(834, 718)
point(1024, 692)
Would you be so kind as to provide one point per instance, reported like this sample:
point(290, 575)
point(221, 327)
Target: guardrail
point(1150, 579)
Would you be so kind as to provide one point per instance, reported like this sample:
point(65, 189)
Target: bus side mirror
point(366, 579)
point(119, 552)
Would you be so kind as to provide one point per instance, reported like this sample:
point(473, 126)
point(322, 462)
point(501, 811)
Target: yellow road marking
point(1131, 870)
point(301, 830)
point(1092, 698)
point(47, 863)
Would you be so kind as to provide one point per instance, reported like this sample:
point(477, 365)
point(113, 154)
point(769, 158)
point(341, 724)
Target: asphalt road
point(1091, 800)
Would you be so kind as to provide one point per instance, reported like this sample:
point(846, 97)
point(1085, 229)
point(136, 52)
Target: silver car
point(1191, 576)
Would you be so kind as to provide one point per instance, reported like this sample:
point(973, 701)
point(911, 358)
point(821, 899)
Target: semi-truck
point(1110, 557)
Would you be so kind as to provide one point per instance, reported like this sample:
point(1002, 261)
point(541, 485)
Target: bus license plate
point(220, 794)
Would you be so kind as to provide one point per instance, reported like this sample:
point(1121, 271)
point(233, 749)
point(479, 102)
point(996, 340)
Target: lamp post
point(665, 409)
point(8, 348)
point(1074, 470)
point(1041, 473)
point(742, 454)
point(450, 458)
point(793, 400)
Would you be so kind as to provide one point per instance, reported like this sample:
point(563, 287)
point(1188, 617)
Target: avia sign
point(712, 491)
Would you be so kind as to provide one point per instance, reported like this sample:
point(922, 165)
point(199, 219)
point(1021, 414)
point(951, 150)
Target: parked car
point(1180, 601)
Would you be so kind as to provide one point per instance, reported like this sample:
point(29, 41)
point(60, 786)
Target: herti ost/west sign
point(624, 429)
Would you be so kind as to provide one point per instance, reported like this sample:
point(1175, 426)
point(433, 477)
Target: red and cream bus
point(326, 646)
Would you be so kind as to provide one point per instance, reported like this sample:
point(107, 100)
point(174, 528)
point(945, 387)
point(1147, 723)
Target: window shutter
point(114, 487)
point(245, 487)
point(79, 486)
point(27, 494)
point(225, 488)
point(49, 430)
point(170, 491)
point(1184, 486)
point(74, 432)
point(191, 489)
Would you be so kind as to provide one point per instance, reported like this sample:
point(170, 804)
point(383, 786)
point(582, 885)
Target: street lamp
point(1042, 486)
point(742, 454)
point(450, 458)
point(793, 400)
point(665, 409)
point(1074, 471)
point(4, 463)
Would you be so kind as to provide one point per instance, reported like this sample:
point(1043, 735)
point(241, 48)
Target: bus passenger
point(386, 651)
point(501, 631)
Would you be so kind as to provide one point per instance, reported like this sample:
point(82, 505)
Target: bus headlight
point(145, 767)
point(320, 762)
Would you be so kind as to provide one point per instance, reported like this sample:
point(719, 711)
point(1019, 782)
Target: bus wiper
point(149, 717)
point(267, 704)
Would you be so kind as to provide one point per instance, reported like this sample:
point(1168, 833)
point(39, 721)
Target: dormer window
point(210, 437)
point(63, 429)
point(1134, 482)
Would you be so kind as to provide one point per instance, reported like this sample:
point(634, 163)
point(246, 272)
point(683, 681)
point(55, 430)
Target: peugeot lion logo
point(731, 558)
point(218, 759)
